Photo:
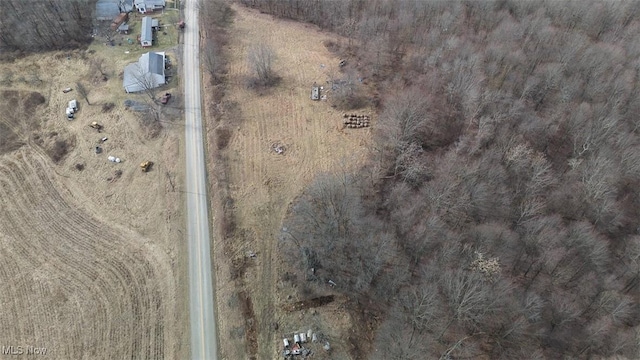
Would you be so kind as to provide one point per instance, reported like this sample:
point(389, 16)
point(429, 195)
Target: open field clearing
point(94, 266)
point(263, 183)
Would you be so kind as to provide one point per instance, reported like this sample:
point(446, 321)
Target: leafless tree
point(213, 59)
point(395, 340)
point(150, 121)
point(82, 90)
point(469, 298)
point(403, 119)
point(147, 82)
point(632, 265)
point(423, 306)
point(43, 25)
point(215, 12)
point(335, 239)
point(564, 310)
point(261, 58)
point(508, 129)
point(97, 66)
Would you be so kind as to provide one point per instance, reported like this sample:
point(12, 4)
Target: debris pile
point(354, 121)
point(296, 345)
point(278, 148)
point(96, 126)
point(309, 303)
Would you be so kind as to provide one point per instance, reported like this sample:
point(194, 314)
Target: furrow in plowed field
point(71, 283)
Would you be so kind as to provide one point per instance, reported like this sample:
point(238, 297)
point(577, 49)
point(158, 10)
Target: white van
point(71, 109)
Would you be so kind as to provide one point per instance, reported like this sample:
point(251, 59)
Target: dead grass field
point(263, 184)
point(91, 268)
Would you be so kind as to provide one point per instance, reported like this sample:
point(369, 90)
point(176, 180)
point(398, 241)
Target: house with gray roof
point(145, 6)
point(146, 32)
point(147, 73)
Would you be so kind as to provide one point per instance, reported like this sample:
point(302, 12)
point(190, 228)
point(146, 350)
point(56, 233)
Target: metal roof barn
point(146, 32)
point(109, 9)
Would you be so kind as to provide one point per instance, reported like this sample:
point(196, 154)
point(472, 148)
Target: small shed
point(315, 92)
point(155, 24)
point(123, 28)
point(146, 32)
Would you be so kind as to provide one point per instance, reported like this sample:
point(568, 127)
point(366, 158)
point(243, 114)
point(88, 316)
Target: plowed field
point(90, 268)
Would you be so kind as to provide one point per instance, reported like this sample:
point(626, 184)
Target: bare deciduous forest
point(497, 216)
point(45, 25)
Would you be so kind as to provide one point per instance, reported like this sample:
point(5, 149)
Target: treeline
point(39, 25)
point(498, 215)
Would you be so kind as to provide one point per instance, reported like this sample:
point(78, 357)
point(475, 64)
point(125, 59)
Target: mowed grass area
point(264, 183)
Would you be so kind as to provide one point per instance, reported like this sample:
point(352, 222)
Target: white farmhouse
point(145, 6)
point(147, 73)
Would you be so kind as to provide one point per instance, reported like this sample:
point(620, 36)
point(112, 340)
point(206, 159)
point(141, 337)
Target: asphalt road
point(203, 326)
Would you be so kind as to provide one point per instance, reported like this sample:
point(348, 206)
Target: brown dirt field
point(263, 183)
point(91, 269)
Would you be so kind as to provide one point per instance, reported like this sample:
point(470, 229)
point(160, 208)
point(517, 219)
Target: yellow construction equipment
point(145, 166)
point(96, 126)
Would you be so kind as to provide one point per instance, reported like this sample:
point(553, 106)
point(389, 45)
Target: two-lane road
point(203, 326)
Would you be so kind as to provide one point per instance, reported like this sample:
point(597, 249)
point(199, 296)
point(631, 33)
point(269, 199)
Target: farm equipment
point(145, 166)
point(96, 126)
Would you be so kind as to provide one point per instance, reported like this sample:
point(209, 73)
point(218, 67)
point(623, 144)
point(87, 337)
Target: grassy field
point(264, 183)
point(93, 263)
